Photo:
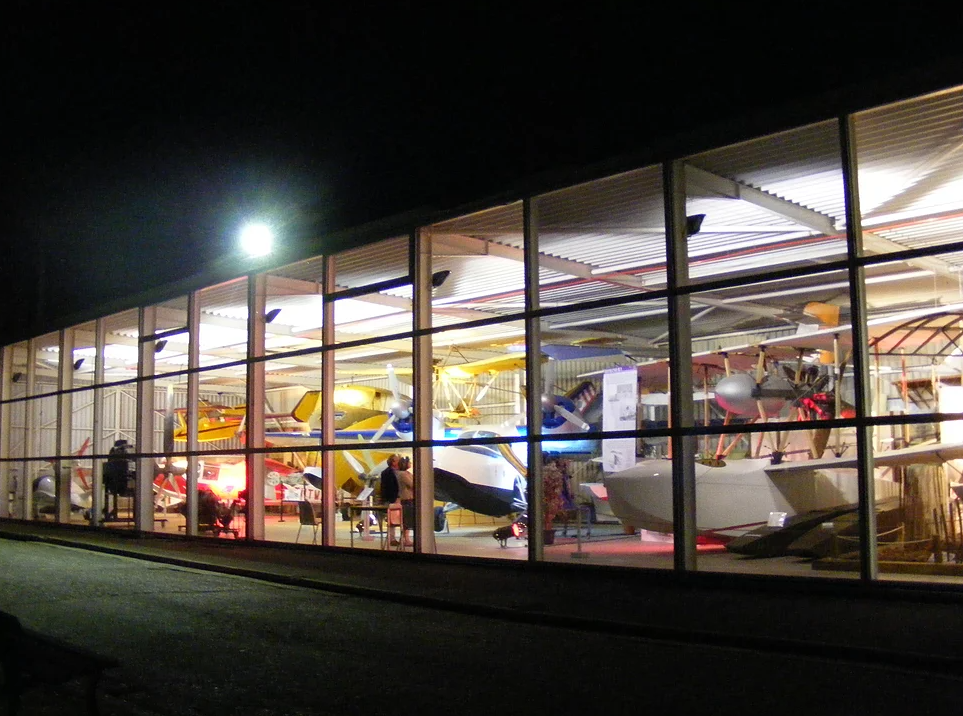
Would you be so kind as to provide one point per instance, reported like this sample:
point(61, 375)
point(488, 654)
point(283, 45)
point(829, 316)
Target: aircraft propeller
point(557, 409)
point(399, 414)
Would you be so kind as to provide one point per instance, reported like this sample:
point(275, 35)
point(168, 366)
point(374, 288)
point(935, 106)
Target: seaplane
point(803, 471)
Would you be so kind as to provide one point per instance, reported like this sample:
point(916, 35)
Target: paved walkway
point(916, 627)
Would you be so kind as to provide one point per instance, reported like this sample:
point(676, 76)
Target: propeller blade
point(355, 465)
point(484, 390)
point(381, 431)
point(393, 385)
point(368, 459)
point(572, 418)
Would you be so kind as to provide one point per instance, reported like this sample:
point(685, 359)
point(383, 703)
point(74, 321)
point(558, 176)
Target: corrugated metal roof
point(911, 170)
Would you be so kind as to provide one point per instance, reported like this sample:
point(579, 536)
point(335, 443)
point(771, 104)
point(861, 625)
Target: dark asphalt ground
point(194, 642)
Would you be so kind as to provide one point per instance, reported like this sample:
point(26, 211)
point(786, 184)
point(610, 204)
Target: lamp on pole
point(257, 239)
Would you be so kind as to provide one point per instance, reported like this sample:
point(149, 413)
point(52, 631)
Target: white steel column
point(63, 466)
point(192, 417)
point(29, 434)
point(254, 425)
point(680, 363)
point(98, 447)
point(868, 566)
point(328, 488)
point(144, 485)
point(6, 372)
point(533, 383)
point(423, 462)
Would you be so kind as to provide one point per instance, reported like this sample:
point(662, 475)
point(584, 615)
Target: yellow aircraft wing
point(215, 422)
point(464, 371)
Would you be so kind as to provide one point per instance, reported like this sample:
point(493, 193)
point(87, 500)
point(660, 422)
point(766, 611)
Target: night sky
point(135, 144)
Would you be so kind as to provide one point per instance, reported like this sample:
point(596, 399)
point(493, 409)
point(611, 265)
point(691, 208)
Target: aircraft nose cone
point(734, 393)
point(737, 394)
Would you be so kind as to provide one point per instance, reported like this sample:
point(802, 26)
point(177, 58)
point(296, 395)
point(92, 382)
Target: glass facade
point(746, 360)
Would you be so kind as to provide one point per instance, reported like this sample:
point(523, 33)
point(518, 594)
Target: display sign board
point(620, 398)
point(293, 493)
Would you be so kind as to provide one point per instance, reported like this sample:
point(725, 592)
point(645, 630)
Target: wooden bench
point(34, 660)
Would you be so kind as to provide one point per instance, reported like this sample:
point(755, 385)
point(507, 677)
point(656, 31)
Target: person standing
point(406, 493)
point(389, 495)
point(389, 482)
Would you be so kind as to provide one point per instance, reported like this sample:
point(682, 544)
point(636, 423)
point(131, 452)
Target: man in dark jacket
point(389, 481)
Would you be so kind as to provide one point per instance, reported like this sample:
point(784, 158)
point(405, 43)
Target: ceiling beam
point(460, 245)
point(807, 217)
point(731, 189)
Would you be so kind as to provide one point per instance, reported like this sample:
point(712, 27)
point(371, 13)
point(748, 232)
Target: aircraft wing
point(883, 331)
point(928, 454)
point(655, 373)
point(509, 361)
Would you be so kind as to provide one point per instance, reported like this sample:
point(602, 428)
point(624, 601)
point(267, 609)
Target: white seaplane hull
point(734, 497)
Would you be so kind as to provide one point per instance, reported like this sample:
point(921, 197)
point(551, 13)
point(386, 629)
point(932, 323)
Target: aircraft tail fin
point(306, 406)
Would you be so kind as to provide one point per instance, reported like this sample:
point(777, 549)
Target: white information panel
point(620, 396)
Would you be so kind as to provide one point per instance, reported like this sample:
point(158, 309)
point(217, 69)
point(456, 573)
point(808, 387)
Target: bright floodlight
point(256, 239)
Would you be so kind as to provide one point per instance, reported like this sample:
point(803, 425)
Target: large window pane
point(294, 314)
point(479, 377)
point(911, 175)
point(84, 355)
point(478, 263)
point(373, 392)
point(919, 467)
point(770, 203)
point(761, 514)
point(380, 302)
point(81, 448)
point(915, 327)
point(602, 239)
point(479, 394)
point(46, 361)
point(171, 350)
point(222, 336)
point(120, 348)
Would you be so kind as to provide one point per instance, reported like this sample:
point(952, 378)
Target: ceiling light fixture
point(439, 277)
point(693, 224)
